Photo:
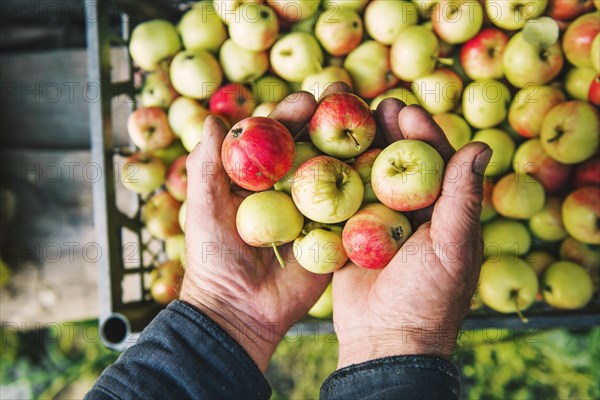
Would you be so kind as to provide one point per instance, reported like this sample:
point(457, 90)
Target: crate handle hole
point(115, 329)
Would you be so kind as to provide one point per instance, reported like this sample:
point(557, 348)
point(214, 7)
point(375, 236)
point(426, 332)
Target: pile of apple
point(522, 76)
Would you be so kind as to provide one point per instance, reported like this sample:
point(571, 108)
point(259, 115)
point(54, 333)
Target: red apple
point(594, 93)
point(160, 214)
point(233, 101)
point(581, 214)
point(165, 282)
point(587, 174)
point(177, 179)
point(566, 10)
point(149, 128)
point(578, 38)
point(530, 158)
point(257, 152)
point(481, 57)
point(374, 234)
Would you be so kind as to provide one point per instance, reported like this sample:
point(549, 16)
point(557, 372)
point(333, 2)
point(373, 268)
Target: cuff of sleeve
point(407, 377)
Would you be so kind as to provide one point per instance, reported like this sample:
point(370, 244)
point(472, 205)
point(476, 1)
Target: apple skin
point(226, 9)
point(160, 215)
point(385, 19)
point(233, 101)
point(594, 93)
point(578, 38)
point(192, 132)
point(319, 248)
point(419, 183)
point(241, 65)
point(370, 69)
point(142, 174)
point(455, 21)
point(175, 248)
point(356, 5)
point(400, 93)
point(296, 56)
point(303, 152)
point(157, 90)
point(254, 27)
point(418, 44)
point(317, 83)
point(270, 89)
point(201, 28)
point(512, 14)
point(327, 190)
point(488, 211)
point(323, 308)
point(149, 128)
point(165, 282)
point(363, 164)
point(582, 254)
point(373, 235)
point(595, 53)
point(531, 158)
point(481, 56)
point(587, 173)
point(181, 217)
point(581, 213)
point(257, 152)
point(547, 224)
point(571, 132)
point(525, 63)
point(518, 196)
point(566, 10)
point(503, 236)
point(540, 261)
point(503, 149)
point(182, 110)
point(567, 286)
point(196, 74)
point(456, 129)
point(339, 31)
point(342, 126)
point(152, 42)
point(294, 10)
point(176, 181)
point(485, 103)
point(264, 109)
point(530, 106)
point(170, 153)
point(438, 92)
point(578, 82)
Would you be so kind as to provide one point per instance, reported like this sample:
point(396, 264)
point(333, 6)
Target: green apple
point(512, 14)
point(181, 216)
point(547, 224)
point(503, 149)
point(457, 21)
point(571, 132)
point(400, 93)
point(540, 261)
point(225, 9)
point(201, 28)
point(296, 56)
point(160, 215)
point(518, 196)
point(369, 67)
point(157, 90)
point(425, 7)
point(419, 45)
point(182, 110)
point(595, 53)
point(530, 106)
point(143, 174)
point(192, 131)
point(567, 286)
point(5, 273)
point(385, 19)
point(327, 190)
point(363, 164)
point(196, 74)
point(241, 65)
point(488, 211)
point(581, 214)
point(264, 109)
point(356, 5)
point(175, 248)
point(319, 248)
point(304, 151)
point(170, 153)
point(270, 89)
point(318, 82)
point(578, 82)
point(455, 128)
point(339, 31)
point(438, 92)
point(502, 237)
point(485, 103)
point(254, 27)
point(153, 42)
point(323, 308)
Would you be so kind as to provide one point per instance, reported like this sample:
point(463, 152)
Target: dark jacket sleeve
point(399, 377)
point(182, 354)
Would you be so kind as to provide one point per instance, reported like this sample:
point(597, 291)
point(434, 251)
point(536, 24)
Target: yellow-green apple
point(374, 235)
point(566, 10)
point(419, 45)
point(153, 42)
point(149, 129)
point(303, 152)
point(503, 236)
point(425, 8)
point(170, 153)
point(339, 31)
point(370, 69)
point(531, 158)
point(530, 106)
point(327, 190)
point(257, 152)
point(547, 224)
point(400, 93)
point(512, 14)
point(587, 173)
point(578, 39)
point(196, 74)
point(571, 132)
point(295, 56)
point(157, 90)
point(540, 261)
point(583, 254)
point(323, 308)
point(175, 248)
point(264, 109)
point(518, 196)
point(319, 248)
point(342, 126)
point(192, 131)
point(363, 164)
point(456, 129)
point(306, 25)
point(485, 103)
point(165, 282)
point(438, 92)
point(201, 28)
point(407, 175)
point(241, 65)
point(594, 93)
point(160, 215)
point(269, 219)
point(294, 10)
point(182, 216)
point(595, 53)
point(254, 27)
point(385, 19)
point(481, 57)
point(270, 89)
point(578, 82)
point(182, 110)
point(525, 63)
point(567, 286)
point(503, 148)
point(318, 82)
point(356, 5)
point(457, 21)
point(508, 285)
point(176, 181)
point(488, 211)
point(142, 173)
point(581, 214)
point(233, 101)
point(225, 9)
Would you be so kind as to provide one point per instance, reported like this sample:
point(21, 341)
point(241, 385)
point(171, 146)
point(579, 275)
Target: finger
point(295, 111)
point(335, 87)
point(387, 118)
point(416, 123)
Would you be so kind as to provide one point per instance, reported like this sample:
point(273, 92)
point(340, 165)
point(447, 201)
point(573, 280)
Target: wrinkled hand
point(417, 303)
point(240, 287)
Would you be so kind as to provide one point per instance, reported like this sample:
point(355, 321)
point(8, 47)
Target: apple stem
point(445, 61)
point(519, 313)
point(349, 133)
point(279, 258)
point(397, 169)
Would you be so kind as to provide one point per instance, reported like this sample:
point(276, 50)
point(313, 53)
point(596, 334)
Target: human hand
point(240, 287)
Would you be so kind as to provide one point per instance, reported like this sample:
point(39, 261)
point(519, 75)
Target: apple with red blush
point(234, 101)
point(532, 159)
point(566, 10)
point(481, 57)
point(578, 38)
point(581, 214)
point(149, 129)
point(587, 173)
point(177, 181)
